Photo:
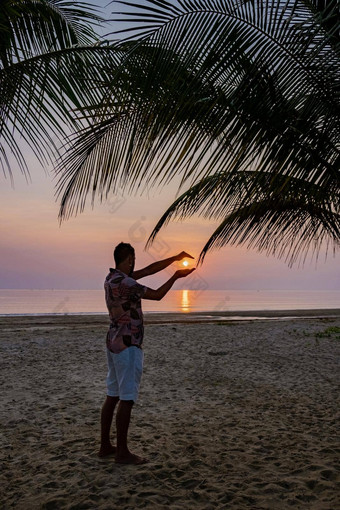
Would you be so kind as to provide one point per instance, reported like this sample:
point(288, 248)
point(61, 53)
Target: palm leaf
point(34, 27)
point(209, 88)
point(289, 229)
point(272, 213)
point(43, 70)
point(162, 107)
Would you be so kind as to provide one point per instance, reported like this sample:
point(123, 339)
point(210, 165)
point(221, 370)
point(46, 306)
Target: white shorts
point(125, 373)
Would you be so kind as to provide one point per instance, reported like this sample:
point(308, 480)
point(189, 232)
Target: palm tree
point(48, 49)
point(238, 97)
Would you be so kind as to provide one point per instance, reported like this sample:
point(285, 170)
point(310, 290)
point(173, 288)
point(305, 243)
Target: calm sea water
point(32, 302)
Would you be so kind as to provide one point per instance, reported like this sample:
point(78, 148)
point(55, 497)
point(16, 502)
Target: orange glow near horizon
point(36, 252)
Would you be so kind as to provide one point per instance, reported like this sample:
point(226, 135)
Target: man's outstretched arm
point(158, 294)
point(159, 266)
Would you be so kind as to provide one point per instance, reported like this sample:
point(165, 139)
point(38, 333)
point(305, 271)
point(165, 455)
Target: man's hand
point(158, 294)
point(183, 255)
point(181, 273)
point(160, 265)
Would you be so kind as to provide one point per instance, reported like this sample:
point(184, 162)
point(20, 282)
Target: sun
point(185, 263)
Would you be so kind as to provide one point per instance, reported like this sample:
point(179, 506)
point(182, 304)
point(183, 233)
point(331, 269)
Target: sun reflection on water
point(185, 301)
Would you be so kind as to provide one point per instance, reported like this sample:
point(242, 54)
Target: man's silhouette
point(124, 343)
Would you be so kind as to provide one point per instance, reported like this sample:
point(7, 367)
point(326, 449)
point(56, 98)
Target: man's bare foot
point(105, 451)
point(130, 458)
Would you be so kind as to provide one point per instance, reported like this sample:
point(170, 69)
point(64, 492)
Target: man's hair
point(122, 251)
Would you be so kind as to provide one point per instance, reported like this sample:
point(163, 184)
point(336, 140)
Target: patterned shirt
point(123, 300)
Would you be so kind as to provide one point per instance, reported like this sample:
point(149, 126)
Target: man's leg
point(124, 456)
point(108, 408)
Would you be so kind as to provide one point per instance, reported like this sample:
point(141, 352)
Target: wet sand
point(232, 414)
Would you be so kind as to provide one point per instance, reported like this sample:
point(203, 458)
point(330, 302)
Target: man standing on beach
point(124, 343)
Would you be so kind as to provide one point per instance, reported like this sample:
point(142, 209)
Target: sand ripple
point(231, 416)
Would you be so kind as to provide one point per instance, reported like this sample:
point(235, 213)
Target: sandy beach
point(232, 414)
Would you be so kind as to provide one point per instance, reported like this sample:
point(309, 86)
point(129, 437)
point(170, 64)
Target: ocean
point(81, 302)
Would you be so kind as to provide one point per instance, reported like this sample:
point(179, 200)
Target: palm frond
point(35, 27)
point(272, 213)
point(327, 14)
point(208, 88)
point(170, 117)
point(290, 229)
point(45, 74)
point(243, 84)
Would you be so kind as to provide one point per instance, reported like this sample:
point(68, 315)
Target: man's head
point(124, 255)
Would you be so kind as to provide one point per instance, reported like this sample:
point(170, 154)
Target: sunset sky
point(38, 253)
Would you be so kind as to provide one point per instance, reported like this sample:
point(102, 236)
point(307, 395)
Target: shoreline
point(210, 317)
